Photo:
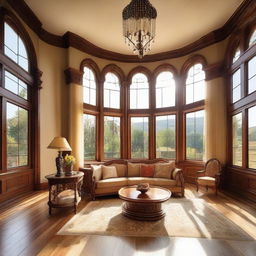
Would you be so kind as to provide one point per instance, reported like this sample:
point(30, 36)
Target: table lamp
point(61, 144)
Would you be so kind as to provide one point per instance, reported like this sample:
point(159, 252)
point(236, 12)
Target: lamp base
point(59, 162)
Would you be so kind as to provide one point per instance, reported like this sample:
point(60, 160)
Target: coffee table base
point(143, 211)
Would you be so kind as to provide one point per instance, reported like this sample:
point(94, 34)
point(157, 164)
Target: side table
point(64, 191)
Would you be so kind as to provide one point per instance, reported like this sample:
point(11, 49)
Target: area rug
point(184, 218)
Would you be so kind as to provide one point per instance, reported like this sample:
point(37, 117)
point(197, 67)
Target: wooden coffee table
point(146, 206)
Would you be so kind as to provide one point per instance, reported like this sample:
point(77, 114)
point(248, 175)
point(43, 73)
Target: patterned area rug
point(184, 218)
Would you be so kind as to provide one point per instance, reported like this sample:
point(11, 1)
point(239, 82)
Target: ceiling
point(179, 22)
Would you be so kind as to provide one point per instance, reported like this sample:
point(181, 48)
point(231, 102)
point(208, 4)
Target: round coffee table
point(146, 206)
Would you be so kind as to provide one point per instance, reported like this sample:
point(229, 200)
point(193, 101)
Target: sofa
point(108, 177)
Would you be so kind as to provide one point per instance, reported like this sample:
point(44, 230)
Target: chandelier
point(139, 22)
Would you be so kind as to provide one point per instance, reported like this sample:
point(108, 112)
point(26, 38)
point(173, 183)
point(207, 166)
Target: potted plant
point(68, 163)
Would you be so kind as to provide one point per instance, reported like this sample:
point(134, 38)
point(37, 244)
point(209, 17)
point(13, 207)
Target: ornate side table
point(64, 191)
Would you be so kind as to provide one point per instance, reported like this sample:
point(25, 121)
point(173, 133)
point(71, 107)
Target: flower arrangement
point(69, 160)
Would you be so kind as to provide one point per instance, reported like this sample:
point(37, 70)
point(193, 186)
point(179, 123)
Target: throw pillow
point(164, 170)
point(147, 170)
point(109, 172)
point(133, 170)
point(97, 172)
point(120, 169)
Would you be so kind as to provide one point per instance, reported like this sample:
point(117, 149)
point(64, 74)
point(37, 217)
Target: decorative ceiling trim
point(70, 39)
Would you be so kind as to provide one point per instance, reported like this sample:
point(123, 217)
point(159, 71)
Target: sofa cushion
point(108, 172)
point(121, 169)
point(137, 180)
point(163, 182)
point(164, 170)
point(147, 170)
point(207, 181)
point(112, 182)
point(97, 172)
point(133, 170)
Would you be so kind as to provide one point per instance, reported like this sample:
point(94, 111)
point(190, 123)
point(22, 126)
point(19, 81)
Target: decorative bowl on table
point(143, 187)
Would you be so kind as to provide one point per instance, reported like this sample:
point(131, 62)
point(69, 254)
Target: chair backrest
point(212, 167)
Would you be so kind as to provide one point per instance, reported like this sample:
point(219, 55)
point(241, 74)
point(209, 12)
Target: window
point(166, 136)
point(252, 137)
point(89, 123)
point(236, 55)
point(195, 135)
point(111, 137)
point(139, 92)
point(195, 84)
point(252, 75)
point(236, 86)
point(165, 90)
point(15, 85)
point(252, 40)
point(237, 139)
point(139, 137)
point(89, 83)
point(111, 91)
point(14, 47)
point(17, 136)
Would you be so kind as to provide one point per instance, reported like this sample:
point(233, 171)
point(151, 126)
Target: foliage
point(69, 160)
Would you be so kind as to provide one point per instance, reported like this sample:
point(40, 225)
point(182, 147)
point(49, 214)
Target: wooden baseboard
point(41, 186)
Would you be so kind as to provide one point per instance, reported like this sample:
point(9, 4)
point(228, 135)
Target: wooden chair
point(211, 178)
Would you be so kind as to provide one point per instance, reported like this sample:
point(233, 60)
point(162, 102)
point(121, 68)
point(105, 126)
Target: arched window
point(252, 75)
point(236, 86)
point(139, 92)
point(111, 91)
point(252, 40)
point(165, 90)
point(89, 83)
point(14, 47)
point(236, 55)
point(195, 84)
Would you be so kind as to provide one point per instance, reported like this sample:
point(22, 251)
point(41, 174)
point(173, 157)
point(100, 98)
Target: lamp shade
point(60, 143)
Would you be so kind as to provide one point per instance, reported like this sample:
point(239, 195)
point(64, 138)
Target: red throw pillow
point(147, 170)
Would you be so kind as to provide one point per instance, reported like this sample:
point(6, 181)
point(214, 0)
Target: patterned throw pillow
point(133, 170)
point(109, 172)
point(147, 170)
point(164, 170)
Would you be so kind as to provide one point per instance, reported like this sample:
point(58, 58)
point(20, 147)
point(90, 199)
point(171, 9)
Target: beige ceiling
point(179, 22)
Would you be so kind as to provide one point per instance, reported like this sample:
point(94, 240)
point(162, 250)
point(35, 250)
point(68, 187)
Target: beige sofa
point(128, 173)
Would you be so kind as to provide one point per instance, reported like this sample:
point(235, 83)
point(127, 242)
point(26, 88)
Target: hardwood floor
point(27, 229)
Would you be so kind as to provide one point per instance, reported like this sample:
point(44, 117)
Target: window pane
point(17, 136)
point(165, 137)
point(252, 39)
point(237, 139)
point(139, 92)
point(112, 91)
point(236, 85)
point(89, 137)
point(165, 90)
point(195, 135)
point(111, 137)
point(139, 137)
point(15, 85)
point(252, 137)
point(89, 84)
point(14, 47)
point(195, 84)
point(252, 75)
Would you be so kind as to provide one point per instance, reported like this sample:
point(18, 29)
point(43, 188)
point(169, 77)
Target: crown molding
point(70, 39)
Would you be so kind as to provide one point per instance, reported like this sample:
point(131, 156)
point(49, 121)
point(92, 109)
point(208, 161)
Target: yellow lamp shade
point(60, 143)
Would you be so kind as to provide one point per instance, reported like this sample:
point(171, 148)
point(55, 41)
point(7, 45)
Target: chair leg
point(197, 187)
point(206, 188)
point(216, 190)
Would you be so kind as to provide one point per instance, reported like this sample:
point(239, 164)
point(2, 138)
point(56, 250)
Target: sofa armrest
point(177, 175)
point(89, 181)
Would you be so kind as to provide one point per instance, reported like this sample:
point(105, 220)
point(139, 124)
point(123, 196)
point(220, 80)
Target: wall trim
point(70, 39)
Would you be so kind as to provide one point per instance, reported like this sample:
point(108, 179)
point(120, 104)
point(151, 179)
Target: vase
point(68, 169)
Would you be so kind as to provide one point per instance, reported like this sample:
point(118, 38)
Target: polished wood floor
point(27, 229)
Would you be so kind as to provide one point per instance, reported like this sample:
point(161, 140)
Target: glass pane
point(17, 136)
point(252, 75)
point(165, 137)
point(139, 92)
point(236, 78)
point(236, 55)
point(195, 84)
point(165, 90)
point(252, 39)
point(111, 137)
point(237, 139)
point(195, 135)
point(10, 39)
point(89, 85)
point(252, 137)
point(236, 94)
point(112, 88)
point(115, 99)
point(139, 137)
point(89, 137)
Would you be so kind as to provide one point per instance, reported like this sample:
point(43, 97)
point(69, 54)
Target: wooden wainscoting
point(241, 182)
point(15, 183)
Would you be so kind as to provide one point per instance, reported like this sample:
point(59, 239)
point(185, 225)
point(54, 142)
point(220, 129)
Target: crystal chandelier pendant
point(139, 23)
